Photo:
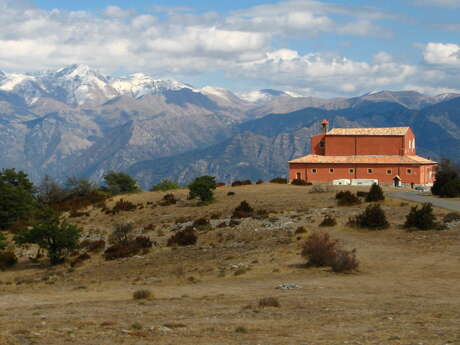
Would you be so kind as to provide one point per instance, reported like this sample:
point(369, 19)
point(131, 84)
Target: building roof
point(363, 159)
point(396, 131)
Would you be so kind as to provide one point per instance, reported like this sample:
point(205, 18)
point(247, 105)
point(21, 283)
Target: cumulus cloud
point(442, 54)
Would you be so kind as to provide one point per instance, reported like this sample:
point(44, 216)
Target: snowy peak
point(139, 84)
point(443, 97)
point(261, 96)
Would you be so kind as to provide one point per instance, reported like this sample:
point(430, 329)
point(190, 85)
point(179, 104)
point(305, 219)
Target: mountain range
point(74, 121)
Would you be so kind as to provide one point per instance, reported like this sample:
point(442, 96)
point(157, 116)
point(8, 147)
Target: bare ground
point(406, 291)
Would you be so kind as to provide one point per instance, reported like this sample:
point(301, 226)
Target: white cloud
point(116, 12)
point(442, 54)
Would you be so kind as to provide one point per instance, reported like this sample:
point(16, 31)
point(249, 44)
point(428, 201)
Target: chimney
point(325, 126)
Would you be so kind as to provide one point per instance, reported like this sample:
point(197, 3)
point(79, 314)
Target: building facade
point(384, 154)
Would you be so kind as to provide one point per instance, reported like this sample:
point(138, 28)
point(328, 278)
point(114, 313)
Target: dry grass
point(404, 293)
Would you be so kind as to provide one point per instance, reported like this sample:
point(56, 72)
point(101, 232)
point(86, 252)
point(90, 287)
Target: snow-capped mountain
point(262, 96)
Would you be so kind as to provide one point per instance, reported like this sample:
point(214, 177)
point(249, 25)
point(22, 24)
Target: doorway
point(397, 181)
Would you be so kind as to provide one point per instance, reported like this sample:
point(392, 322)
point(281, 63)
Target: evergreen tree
point(375, 194)
point(202, 187)
point(120, 183)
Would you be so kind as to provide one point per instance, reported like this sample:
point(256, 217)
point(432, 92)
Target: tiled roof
point(397, 131)
point(363, 159)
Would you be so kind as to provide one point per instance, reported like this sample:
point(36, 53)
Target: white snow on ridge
point(10, 81)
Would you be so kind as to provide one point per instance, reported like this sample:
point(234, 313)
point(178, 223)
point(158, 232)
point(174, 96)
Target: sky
point(315, 48)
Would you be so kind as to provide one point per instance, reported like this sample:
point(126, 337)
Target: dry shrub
point(345, 261)
point(150, 227)
point(320, 250)
point(233, 223)
point(93, 246)
point(328, 221)
point(269, 302)
point(168, 200)
point(202, 224)
point(318, 188)
point(142, 294)
point(7, 259)
point(362, 194)
point(121, 233)
point(299, 182)
point(421, 219)
point(373, 218)
point(143, 242)
point(230, 193)
point(122, 250)
point(347, 198)
point(452, 217)
point(79, 259)
point(77, 214)
point(123, 205)
point(221, 184)
point(260, 182)
point(186, 237)
point(244, 210)
point(300, 230)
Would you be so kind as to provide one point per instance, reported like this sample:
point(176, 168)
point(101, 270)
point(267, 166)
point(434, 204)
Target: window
point(409, 171)
point(314, 171)
point(370, 171)
point(389, 172)
point(322, 144)
point(351, 171)
point(299, 176)
point(331, 170)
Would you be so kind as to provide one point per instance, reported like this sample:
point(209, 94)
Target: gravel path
point(453, 205)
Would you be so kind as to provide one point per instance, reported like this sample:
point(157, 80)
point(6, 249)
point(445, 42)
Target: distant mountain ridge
point(75, 121)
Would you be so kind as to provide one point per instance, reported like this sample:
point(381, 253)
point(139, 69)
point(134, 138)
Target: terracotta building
point(349, 154)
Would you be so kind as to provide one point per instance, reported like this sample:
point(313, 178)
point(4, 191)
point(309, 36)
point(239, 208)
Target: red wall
point(365, 145)
point(419, 175)
point(315, 147)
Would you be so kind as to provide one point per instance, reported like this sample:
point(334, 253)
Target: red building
point(384, 154)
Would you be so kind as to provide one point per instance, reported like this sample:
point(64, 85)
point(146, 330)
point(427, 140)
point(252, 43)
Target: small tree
point(375, 194)
point(121, 234)
point(50, 234)
point(17, 200)
point(202, 187)
point(447, 182)
point(422, 219)
point(50, 192)
point(164, 186)
point(373, 217)
point(120, 183)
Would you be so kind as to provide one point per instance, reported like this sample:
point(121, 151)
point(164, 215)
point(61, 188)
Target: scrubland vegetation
point(246, 263)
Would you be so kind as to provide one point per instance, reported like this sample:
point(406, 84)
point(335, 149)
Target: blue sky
point(318, 48)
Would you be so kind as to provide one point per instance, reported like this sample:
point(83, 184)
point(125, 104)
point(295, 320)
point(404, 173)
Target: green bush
point(447, 182)
point(7, 259)
point(280, 180)
point(373, 217)
point(347, 198)
point(120, 183)
point(422, 219)
point(202, 187)
point(59, 239)
point(164, 186)
point(375, 194)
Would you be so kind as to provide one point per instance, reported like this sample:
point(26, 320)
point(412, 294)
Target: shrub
point(121, 233)
point(221, 184)
point(123, 205)
point(202, 224)
point(244, 210)
point(7, 259)
point(320, 250)
point(127, 249)
point(143, 242)
point(79, 259)
point(347, 198)
point(59, 239)
point(186, 237)
point(299, 182)
point(328, 221)
point(120, 183)
point(230, 193)
point(164, 186)
point(202, 187)
point(422, 219)
point(345, 261)
point(362, 194)
point(451, 189)
point(260, 182)
point(373, 217)
point(375, 194)
point(2, 241)
point(452, 217)
point(269, 302)
point(168, 200)
point(300, 230)
point(142, 294)
point(238, 183)
point(280, 180)
point(93, 246)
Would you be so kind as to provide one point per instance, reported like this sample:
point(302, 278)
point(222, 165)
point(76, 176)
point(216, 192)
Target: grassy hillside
point(405, 291)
